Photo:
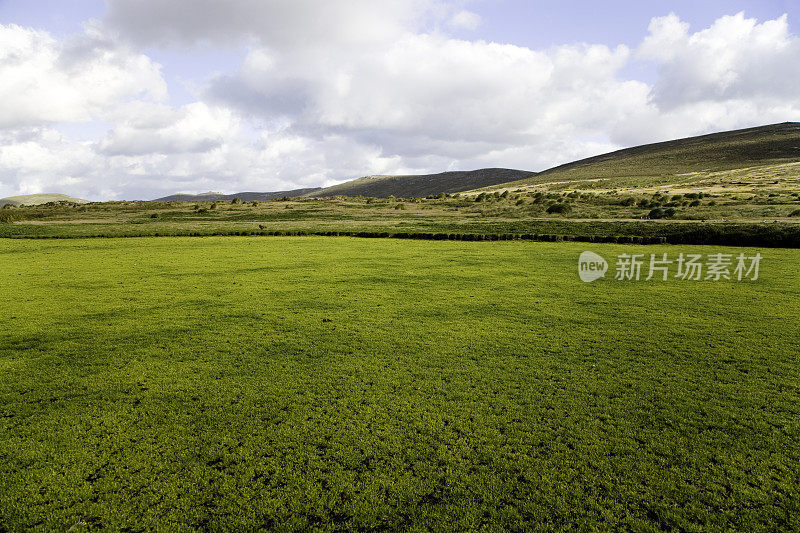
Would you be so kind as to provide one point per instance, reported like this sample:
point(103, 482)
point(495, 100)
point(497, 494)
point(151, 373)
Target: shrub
point(628, 201)
point(795, 213)
point(236, 201)
point(656, 213)
point(154, 215)
point(560, 209)
point(669, 212)
point(213, 205)
point(694, 203)
point(644, 203)
point(520, 202)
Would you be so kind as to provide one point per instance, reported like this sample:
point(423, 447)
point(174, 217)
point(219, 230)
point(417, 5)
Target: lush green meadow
point(338, 383)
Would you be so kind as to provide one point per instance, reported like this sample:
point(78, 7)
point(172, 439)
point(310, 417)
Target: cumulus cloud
point(47, 81)
point(159, 129)
point(431, 92)
point(735, 58)
point(276, 23)
point(464, 20)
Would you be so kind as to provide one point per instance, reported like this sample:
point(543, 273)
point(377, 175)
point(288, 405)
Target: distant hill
point(38, 199)
point(415, 186)
point(243, 196)
point(772, 145)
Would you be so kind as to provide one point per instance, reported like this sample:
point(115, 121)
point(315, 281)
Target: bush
point(560, 209)
point(236, 201)
point(795, 213)
point(628, 201)
point(213, 206)
point(695, 203)
point(656, 213)
point(154, 215)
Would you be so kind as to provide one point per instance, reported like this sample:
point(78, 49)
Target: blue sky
point(140, 98)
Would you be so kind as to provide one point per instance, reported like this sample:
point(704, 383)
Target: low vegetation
point(755, 220)
point(340, 384)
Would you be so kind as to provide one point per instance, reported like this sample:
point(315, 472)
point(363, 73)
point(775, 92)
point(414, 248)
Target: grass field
point(337, 383)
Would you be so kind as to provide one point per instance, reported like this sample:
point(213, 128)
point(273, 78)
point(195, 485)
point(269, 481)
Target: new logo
point(591, 266)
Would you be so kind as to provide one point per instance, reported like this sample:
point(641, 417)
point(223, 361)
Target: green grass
point(339, 383)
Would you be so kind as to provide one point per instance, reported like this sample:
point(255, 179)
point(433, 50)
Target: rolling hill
point(747, 157)
point(423, 185)
point(243, 196)
point(39, 199)
point(739, 160)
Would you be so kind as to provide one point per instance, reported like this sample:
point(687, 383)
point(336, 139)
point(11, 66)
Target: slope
point(39, 199)
point(415, 186)
point(765, 153)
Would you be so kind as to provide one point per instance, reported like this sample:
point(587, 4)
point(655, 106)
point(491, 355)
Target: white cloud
point(150, 129)
point(38, 160)
point(735, 58)
point(465, 20)
point(47, 81)
point(275, 23)
point(447, 96)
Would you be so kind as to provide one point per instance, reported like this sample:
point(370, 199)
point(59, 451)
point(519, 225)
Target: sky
point(137, 99)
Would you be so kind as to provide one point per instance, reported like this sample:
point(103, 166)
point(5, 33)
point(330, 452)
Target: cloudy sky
point(135, 99)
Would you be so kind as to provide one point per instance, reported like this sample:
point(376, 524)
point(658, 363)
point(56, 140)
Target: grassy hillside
point(39, 199)
point(244, 384)
point(734, 161)
point(243, 196)
point(420, 186)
